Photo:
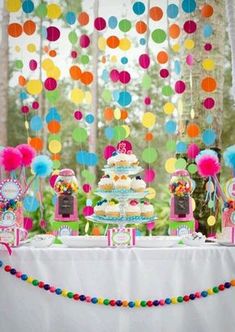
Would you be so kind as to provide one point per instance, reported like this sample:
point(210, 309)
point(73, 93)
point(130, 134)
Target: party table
point(119, 274)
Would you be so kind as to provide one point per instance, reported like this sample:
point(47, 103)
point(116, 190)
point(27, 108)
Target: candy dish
point(42, 240)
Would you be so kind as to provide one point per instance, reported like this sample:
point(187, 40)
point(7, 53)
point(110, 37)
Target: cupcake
point(112, 160)
point(137, 184)
point(133, 209)
point(147, 209)
point(122, 182)
point(122, 160)
point(99, 209)
point(105, 183)
point(133, 159)
point(112, 210)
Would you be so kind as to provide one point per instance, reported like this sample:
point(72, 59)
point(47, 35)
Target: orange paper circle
point(141, 27)
point(124, 114)
point(208, 84)
point(174, 31)
point(207, 10)
point(21, 80)
point(113, 41)
point(149, 137)
point(83, 18)
point(52, 53)
point(162, 57)
point(56, 156)
point(29, 27)
point(86, 77)
point(15, 30)
point(108, 114)
point(36, 143)
point(193, 130)
point(75, 72)
point(53, 127)
point(155, 13)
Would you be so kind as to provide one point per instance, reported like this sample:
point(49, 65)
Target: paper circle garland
point(172, 11)
point(124, 25)
point(170, 127)
point(33, 64)
point(207, 10)
point(181, 147)
point(149, 175)
point(99, 23)
point(124, 99)
point(13, 6)
point(189, 6)
point(83, 18)
point(180, 163)
point(144, 61)
point(79, 135)
point(34, 87)
point(15, 30)
point(53, 33)
point(36, 123)
point(170, 165)
point(148, 119)
point(162, 57)
point(209, 103)
point(77, 95)
point(211, 220)
point(208, 64)
point(29, 27)
point(138, 8)
point(192, 151)
point(156, 13)
point(109, 132)
point(193, 130)
point(108, 150)
point(209, 137)
point(112, 22)
point(208, 84)
point(27, 6)
point(84, 41)
point(192, 168)
point(180, 87)
point(190, 26)
point(54, 146)
point(124, 77)
point(158, 36)
point(50, 84)
point(207, 30)
point(149, 155)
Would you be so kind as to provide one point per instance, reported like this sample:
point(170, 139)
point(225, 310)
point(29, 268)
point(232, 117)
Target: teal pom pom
point(42, 166)
point(229, 157)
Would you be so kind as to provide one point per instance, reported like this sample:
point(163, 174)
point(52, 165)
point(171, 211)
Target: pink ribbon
point(7, 247)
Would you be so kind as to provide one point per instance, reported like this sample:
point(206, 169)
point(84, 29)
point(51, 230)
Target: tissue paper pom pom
point(28, 153)
point(208, 163)
point(42, 166)
point(229, 157)
point(192, 151)
point(11, 159)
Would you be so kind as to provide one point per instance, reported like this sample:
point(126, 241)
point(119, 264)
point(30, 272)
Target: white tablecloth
point(136, 273)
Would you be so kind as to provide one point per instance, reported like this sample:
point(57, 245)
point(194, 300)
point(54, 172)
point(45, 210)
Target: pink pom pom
point(193, 151)
point(11, 159)
point(28, 153)
point(208, 165)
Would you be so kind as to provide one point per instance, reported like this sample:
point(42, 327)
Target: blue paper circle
point(172, 11)
point(27, 6)
point(207, 30)
point(138, 8)
point(36, 123)
point(209, 119)
point(53, 115)
point(124, 99)
point(112, 22)
point(142, 41)
point(70, 17)
point(30, 203)
point(23, 95)
point(116, 95)
point(43, 32)
point(105, 75)
point(54, 199)
point(209, 137)
point(188, 6)
point(109, 132)
point(177, 67)
point(124, 60)
point(170, 127)
point(89, 118)
point(86, 158)
point(181, 147)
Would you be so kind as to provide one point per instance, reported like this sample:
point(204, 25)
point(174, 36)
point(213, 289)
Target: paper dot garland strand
point(118, 303)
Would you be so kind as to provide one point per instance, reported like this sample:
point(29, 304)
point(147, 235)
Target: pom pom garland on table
point(208, 163)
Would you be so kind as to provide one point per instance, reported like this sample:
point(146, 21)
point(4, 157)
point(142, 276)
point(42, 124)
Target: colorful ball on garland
point(138, 8)
point(86, 188)
point(100, 23)
point(149, 175)
point(144, 61)
point(28, 223)
point(192, 151)
point(53, 33)
point(108, 151)
point(87, 211)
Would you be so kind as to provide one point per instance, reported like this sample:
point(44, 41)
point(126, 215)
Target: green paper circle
point(124, 25)
point(149, 155)
point(54, 138)
point(192, 168)
point(167, 91)
point(79, 135)
point(41, 10)
point(56, 164)
point(107, 96)
point(52, 96)
point(84, 59)
point(210, 204)
point(89, 176)
point(146, 82)
point(171, 145)
point(73, 38)
point(119, 133)
point(158, 36)
point(181, 163)
point(19, 64)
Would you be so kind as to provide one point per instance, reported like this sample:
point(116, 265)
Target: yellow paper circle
point(208, 64)
point(88, 98)
point(113, 58)
point(26, 124)
point(189, 44)
point(13, 5)
point(54, 146)
point(31, 48)
point(127, 129)
point(193, 204)
point(169, 108)
point(148, 119)
point(102, 43)
point(176, 48)
point(211, 220)
point(53, 11)
point(170, 165)
point(77, 96)
point(54, 73)
point(117, 114)
point(151, 193)
point(124, 44)
point(17, 48)
point(47, 64)
point(34, 87)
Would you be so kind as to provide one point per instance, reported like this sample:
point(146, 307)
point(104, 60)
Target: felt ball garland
point(113, 302)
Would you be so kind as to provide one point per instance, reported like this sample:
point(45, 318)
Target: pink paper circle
point(209, 103)
point(74, 54)
point(108, 150)
point(100, 23)
point(35, 105)
point(144, 61)
point(52, 180)
point(88, 211)
point(149, 175)
point(77, 115)
point(86, 188)
point(189, 60)
point(179, 87)
point(124, 77)
point(28, 223)
point(147, 100)
point(50, 84)
point(208, 47)
point(192, 151)
point(114, 75)
point(124, 147)
point(190, 26)
point(33, 64)
point(25, 109)
point(84, 41)
point(164, 73)
point(53, 33)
